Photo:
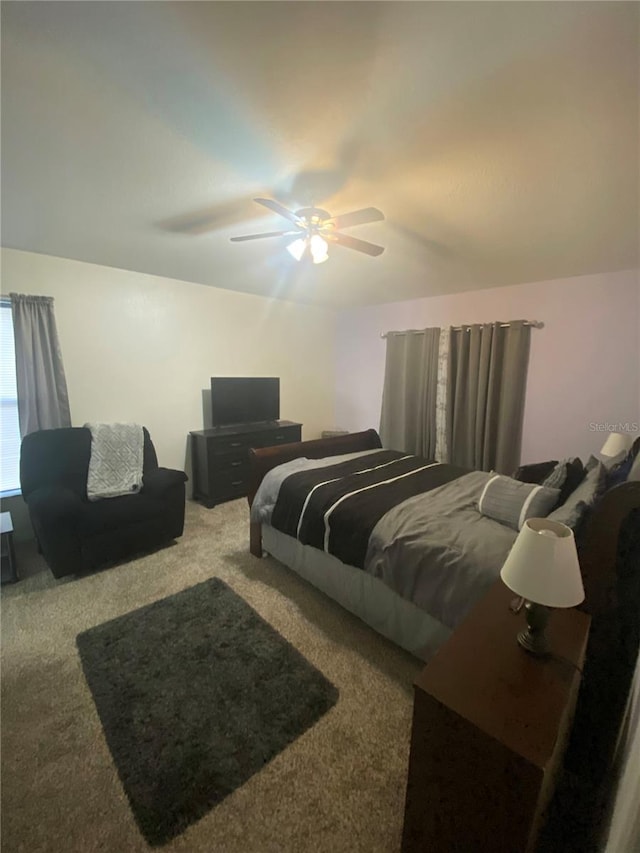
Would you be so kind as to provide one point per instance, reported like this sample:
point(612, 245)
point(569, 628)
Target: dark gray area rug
point(196, 693)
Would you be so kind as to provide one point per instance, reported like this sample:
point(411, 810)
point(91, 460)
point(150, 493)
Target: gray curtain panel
point(408, 417)
point(486, 393)
point(43, 401)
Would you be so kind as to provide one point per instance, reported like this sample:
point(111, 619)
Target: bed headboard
point(599, 551)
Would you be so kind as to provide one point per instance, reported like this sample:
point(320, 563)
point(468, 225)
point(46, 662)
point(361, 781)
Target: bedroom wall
point(142, 348)
point(584, 366)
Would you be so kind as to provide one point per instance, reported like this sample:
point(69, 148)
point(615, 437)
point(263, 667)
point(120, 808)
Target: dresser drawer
point(269, 438)
point(233, 444)
point(229, 484)
point(238, 462)
point(261, 438)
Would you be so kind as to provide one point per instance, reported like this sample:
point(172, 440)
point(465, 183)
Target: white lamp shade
point(616, 443)
point(543, 565)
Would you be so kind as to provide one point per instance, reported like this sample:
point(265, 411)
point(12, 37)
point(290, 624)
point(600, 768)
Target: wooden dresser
point(220, 457)
point(490, 726)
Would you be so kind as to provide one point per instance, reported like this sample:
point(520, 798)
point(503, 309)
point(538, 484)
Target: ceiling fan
point(314, 229)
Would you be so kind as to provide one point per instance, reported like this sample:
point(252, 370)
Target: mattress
point(360, 593)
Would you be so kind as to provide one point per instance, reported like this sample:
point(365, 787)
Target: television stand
point(220, 457)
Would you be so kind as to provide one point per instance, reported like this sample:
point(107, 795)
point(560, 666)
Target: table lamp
point(542, 567)
point(616, 444)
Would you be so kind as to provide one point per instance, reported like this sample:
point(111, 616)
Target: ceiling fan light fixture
point(315, 245)
point(319, 249)
point(297, 248)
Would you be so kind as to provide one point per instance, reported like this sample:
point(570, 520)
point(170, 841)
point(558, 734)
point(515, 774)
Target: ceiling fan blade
point(279, 209)
point(232, 212)
point(358, 245)
point(357, 217)
point(266, 234)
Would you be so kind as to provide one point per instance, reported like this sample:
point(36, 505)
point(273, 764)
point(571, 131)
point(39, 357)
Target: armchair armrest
point(156, 482)
point(58, 516)
point(57, 503)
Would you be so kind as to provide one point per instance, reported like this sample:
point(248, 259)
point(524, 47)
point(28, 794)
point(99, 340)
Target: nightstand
point(7, 552)
point(490, 725)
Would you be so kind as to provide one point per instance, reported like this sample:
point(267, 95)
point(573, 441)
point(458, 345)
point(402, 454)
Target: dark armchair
point(75, 534)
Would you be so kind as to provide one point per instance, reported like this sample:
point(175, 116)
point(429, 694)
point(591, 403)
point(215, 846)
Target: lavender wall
point(584, 366)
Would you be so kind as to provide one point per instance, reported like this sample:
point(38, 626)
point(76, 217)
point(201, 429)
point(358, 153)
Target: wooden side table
point(7, 552)
point(490, 724)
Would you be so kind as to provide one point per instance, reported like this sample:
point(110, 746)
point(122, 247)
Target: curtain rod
point(536, 324)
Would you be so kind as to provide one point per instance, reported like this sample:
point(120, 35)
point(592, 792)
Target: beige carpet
point(340, 787)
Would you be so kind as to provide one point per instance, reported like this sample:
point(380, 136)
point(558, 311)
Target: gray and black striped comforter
point(410, 522)
point(336, 508)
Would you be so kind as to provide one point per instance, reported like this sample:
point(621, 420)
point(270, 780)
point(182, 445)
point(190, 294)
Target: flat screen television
point(244, 400)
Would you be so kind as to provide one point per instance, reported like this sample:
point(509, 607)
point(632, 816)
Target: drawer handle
point(235, 464)
point(236, 483)
point(279, 437)
point(235, 444)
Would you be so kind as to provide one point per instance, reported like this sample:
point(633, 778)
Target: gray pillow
point(583, 497)
point(570, 513)
point(511, 502)
point(556, 479)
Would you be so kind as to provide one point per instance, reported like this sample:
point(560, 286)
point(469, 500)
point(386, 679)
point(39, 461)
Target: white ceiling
point(500, 139)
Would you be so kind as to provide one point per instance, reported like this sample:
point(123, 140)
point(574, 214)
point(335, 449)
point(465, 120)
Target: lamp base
point(533, 640)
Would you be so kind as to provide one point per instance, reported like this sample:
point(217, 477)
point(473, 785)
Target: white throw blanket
point(115, 467)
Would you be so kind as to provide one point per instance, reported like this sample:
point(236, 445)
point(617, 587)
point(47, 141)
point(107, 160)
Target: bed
point(440, 527)
point(609, 554)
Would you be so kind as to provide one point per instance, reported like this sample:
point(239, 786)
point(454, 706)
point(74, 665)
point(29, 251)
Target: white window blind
point(10, 435)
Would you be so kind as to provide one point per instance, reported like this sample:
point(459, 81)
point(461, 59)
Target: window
point(9, 428)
